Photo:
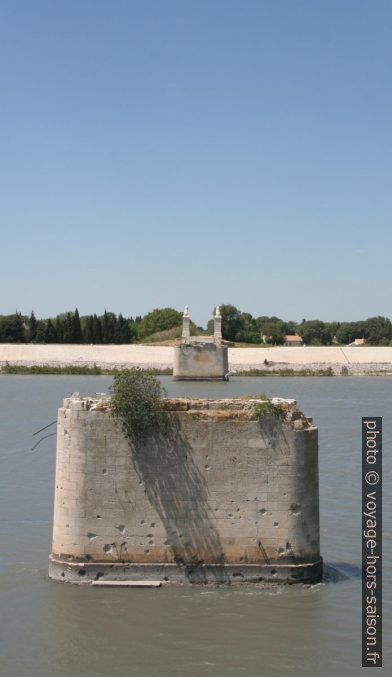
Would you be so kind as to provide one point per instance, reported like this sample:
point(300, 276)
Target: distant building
point(293, 340)
point(358, 342)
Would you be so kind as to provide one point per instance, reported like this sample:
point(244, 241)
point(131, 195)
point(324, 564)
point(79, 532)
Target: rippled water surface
point(56, 630)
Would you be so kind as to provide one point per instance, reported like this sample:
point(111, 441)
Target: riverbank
point(279, 360)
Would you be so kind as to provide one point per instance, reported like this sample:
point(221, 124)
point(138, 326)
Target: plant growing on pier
point(136, 403)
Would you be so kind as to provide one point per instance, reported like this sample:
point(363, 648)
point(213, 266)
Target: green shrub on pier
point(136, 403)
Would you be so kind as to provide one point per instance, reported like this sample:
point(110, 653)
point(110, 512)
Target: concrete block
point(211, 501)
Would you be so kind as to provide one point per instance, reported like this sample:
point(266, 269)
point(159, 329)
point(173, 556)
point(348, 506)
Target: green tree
point(232, 322)
point(68, 328)
point(97, 329)
point(378, 330)
point(158, 320)
point(108, 321)
point(12, 328)
point(59, 326)
point(32, 328)
point(88, 331)
point(50, 332)
point(347, 332)
point(76, 329)
point(315, 332)
point(40, 336)
point(249, 332)
point(273, 329)
point(122, 333)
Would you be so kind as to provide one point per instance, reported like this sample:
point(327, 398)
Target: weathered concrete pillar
point(200, 361)
point(229, 495)
point(186, 330)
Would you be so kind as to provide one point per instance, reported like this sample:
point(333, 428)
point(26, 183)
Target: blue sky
point(196, 152)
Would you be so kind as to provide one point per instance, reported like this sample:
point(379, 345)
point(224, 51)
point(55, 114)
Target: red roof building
point(293, 340)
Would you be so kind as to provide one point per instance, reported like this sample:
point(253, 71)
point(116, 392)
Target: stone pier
point(201, 358)
point(229, 495)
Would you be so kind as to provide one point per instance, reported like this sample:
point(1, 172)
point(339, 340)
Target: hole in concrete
point(88, 558)
point(82, 572)
point(207, 467)
point(238, 574)
point(121, 528)
point(151, 542)
point(262, 511)
point(62, 575)
point(99, 517)
point(142, 521)
point(165, 578)
point(67, 526)
point(98, 575)
point(276, 524)
point(146, 551)
point(273, 572)
point(152, 524)
point(91, 536)
point(260, 579)
point(149, 535)
point(295, 509)
point(107, 547)
point(104, 471)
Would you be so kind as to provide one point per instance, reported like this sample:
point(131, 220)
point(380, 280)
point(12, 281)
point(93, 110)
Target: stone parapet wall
point(357, 360)
point(336, 368)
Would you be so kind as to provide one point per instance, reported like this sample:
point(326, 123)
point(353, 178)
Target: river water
point(51, 629)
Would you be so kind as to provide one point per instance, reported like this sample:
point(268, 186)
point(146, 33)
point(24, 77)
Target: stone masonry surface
point(230, 495)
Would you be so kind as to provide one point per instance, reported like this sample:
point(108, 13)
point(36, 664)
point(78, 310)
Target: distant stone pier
point(230, 495)
point(201, 358)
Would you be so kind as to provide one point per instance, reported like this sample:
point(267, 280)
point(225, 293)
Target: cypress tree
point(97, 330)
point(59, 326)
point(88, 334)
point(40, 336)
point(32, 329)
point(68, 333)
point(105, 328)
point(50, 333)
point(77, 329)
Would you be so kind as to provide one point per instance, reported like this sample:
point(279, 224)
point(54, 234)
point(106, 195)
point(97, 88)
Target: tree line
point(237, 326)
point(242, 327)
point(97, 329)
